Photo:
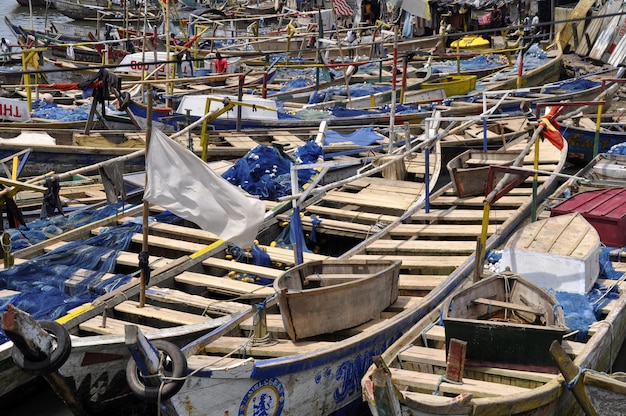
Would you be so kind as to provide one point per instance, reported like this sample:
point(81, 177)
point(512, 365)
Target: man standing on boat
point(221, 64)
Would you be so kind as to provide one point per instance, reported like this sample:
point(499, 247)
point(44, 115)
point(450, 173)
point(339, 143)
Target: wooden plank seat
point(243, 267)
point(420, 281)
point(113, 326)
point(424, 382)
point(441, 230)
point(390, 246)
point(277, 348)
point(349, 215)
point(155, 313)
point(435, 358)
point(509, 305)
point(460, 215)
point(223, 285)
point(208, 305)
point(285, 255)
point(484, 161)
point(420, 264)
point(478, 201)
point(328, 279)
point(240, 140)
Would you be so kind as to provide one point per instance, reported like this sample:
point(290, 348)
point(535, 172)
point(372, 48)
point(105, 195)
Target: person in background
point(351, 39)
point(221, 64)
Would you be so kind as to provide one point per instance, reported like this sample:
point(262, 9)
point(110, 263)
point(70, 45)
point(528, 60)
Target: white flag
point(419, 8)
point(182, 183)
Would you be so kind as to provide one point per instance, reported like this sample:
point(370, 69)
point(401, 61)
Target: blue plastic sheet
point(365, 136)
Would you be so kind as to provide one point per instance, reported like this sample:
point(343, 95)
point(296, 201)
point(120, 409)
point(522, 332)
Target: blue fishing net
point(578, 312)
point(617, 149)
point(53, 283)
point(255, 256)
point(533, 58)
point(265, 171)
point(363, 89)
point(42, 229)
point(480, 62)
point(51, 111)
point(571, 85)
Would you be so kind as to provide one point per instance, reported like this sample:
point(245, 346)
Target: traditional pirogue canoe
point(417, 365)
point(506, 321)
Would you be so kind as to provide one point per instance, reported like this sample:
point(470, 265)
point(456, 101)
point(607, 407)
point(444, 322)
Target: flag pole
point(146, 212)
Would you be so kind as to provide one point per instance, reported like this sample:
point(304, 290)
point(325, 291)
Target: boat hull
point(312, 296)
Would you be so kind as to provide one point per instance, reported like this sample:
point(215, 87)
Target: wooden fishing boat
point(34, 3)
point(416, 365)
point(60, 150)
point(312, 296)
point(469, 170)
point(88, 9)
point(506, 321)
point(597, 393)
point(545, 68)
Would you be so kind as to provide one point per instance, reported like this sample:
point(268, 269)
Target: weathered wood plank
point(280, 348)
point(162, 314)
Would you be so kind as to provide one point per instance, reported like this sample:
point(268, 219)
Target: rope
point(447, 380)
point(6, 248)
point(570, 384)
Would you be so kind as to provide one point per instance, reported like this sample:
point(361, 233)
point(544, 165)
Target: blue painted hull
point(581, 142)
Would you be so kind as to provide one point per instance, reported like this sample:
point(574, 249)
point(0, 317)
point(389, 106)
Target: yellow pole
point(533, 207)
point(596, 140)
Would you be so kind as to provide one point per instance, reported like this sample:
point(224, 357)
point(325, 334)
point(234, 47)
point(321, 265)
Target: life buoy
point(174, 365)
point(57, 358)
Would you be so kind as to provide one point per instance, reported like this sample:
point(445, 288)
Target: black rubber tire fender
point(175, 365)
point(57, 358)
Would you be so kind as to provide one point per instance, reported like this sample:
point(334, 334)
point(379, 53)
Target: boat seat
point(188, 301)
point(165, 316)
point(113, 326)
point(222, 285)
point(425, 383)
point(277, 348)
point(434, 360)
point(509, 305)
point(477, 162)
point(329, 279)
point(242, 267)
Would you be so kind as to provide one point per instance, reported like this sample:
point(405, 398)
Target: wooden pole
point(571, 374)
point(394, 76)
point(146, 205)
